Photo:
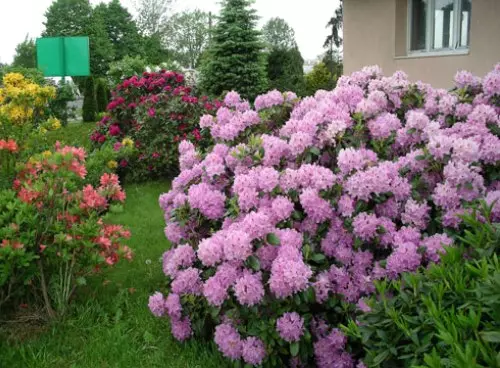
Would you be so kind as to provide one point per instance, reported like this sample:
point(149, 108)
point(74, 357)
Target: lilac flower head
point(290, 326)
point(228, 341)
point(173, 306)
point(434, 246)
point(249, 289)
point(157, 304)
point(188, 282)
point(181, 329)
point(253, 351)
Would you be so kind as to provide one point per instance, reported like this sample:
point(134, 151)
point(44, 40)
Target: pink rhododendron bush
point(280, 230)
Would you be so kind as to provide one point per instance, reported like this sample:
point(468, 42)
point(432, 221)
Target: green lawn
point(74, 134)
point(110, 324)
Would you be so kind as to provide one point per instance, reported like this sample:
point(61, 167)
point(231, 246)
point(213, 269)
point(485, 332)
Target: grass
point(110, 324)
point(74, 133)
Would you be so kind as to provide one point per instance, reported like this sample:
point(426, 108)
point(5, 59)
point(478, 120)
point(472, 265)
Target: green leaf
point(294, 349)
point(315, 150)
point(381, 357)
point(272, 239)
point(491, 336)
point(318, 257)
point(254, 263)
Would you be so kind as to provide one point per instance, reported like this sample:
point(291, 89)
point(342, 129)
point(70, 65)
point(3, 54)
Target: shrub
point(280, 229)
point(319, 78)
point(89, 112)
point(101, 95)
point(55, 228)
point(58, 107)
point(448, 313)
point(126, 68)
point(153, 112)
point(23, 101)
point(17, 266)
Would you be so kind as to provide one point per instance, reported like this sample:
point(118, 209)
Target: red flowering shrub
point(154, 112)
point(52, 233)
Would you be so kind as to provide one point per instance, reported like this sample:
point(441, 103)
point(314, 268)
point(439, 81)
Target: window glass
point(444, 13)
point(465, 23)
point(418, 24)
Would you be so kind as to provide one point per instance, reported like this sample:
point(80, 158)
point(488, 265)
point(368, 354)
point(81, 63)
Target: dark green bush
point(101, 95)
point(89, 101)
point(447, 315)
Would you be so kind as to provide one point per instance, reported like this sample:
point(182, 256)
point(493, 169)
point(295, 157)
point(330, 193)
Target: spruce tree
point(89, 101)
point(235, 58)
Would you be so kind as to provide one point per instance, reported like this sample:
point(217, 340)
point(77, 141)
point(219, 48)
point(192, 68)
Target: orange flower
point(9, 145)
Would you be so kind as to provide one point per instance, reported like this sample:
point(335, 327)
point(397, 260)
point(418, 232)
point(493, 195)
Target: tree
point(336, 24)
point(76, 18)
point(333, 61)
point(334, 40)
point(121, 29)
point(188, 34)
point(101, 48)
point(25, 54)
point(89, 109)
point(152, 15)
point(285, 65)
point(278, 34)
point(235, 58)
point(67, 18)
point(285, 70)
point(318, 78)
point(154, 52)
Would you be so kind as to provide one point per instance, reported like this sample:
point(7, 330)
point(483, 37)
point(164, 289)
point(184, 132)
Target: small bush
point(449, 312)
point(89, 112)
point(53, 234)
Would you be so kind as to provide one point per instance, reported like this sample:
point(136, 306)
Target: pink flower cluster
point(283, 218)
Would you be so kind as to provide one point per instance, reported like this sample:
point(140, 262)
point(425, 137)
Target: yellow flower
point(43, 130)
point(33, 160)
point(11, 79)
point(54, 123)
point(127, 142)
point(112, 164)
point(46, 154)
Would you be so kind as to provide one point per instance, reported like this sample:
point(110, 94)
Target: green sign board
point(63, 56)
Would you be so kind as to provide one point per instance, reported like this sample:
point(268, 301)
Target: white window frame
point(429, 32)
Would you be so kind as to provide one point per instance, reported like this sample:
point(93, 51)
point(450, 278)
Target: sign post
point(63, 56)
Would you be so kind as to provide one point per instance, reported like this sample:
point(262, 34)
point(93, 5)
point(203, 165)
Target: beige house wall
point(375, 33)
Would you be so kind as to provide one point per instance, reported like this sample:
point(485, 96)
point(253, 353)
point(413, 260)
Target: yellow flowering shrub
point(22, 100)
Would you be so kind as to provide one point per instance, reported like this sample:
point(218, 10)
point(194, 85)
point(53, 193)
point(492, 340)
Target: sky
point(308, 18)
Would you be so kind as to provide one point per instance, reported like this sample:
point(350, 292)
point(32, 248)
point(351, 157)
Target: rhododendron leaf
point(254, 263)
point(318, 257)
point(315, 150)
point(272, 239)
point(294, 348)
point(491, 336)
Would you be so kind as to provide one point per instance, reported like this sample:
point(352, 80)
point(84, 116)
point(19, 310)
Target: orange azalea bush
point(52, 230)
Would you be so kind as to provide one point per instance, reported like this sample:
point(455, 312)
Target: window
point(438, 25)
